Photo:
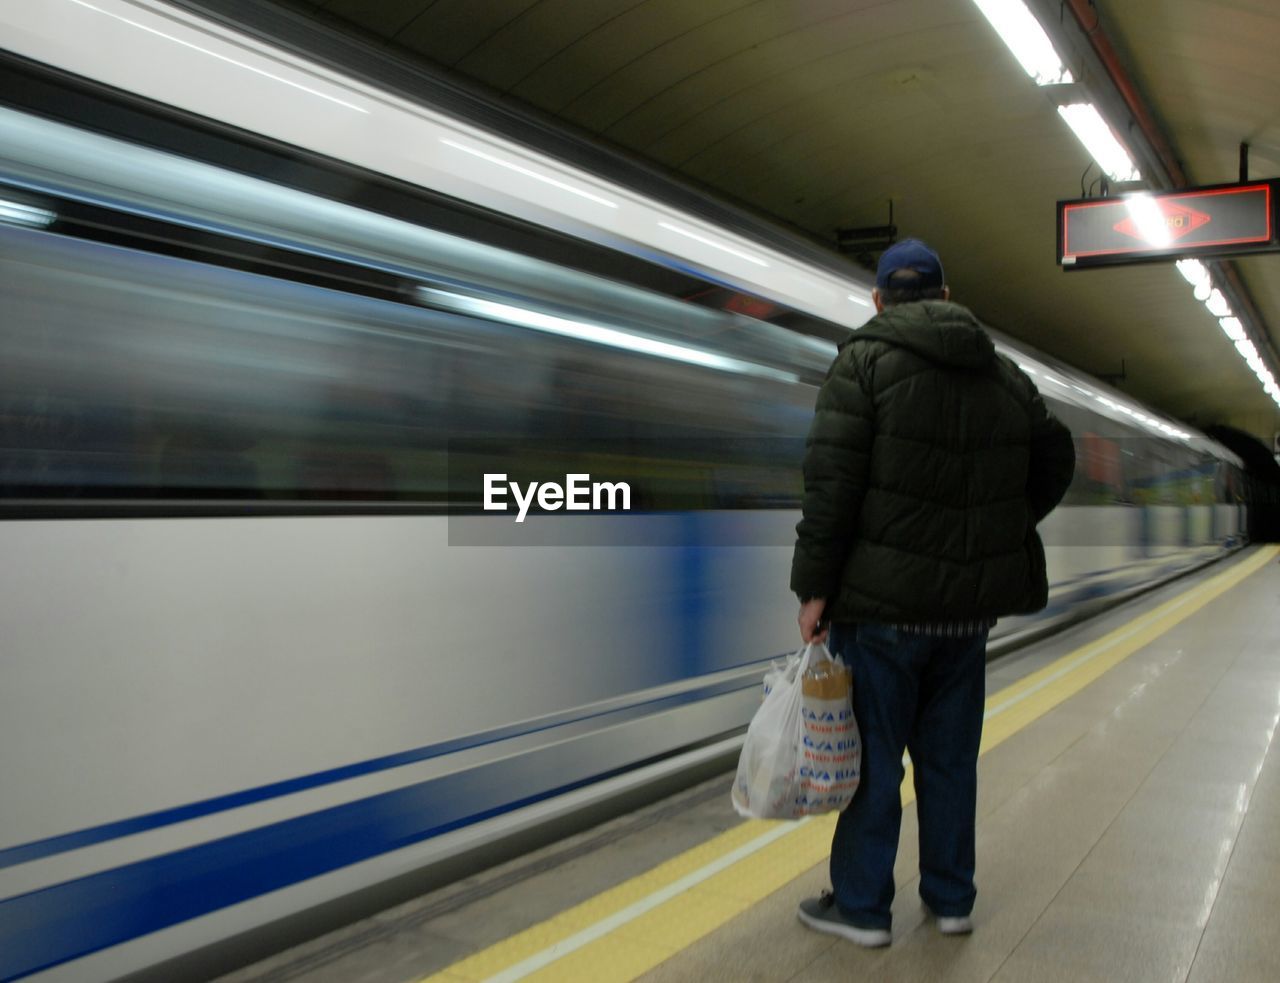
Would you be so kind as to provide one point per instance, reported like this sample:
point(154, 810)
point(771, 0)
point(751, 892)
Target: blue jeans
point(924, 694)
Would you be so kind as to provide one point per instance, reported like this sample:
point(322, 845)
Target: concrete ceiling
point(819, 112)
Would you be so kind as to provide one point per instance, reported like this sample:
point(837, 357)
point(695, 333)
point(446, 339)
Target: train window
point(137, 376)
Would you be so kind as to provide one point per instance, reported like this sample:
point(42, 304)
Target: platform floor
point(1129, 829)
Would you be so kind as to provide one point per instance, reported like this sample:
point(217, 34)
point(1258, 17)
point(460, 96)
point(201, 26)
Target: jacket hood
point(936, 329)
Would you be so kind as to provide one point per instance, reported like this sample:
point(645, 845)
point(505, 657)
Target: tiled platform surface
point(1131, 833)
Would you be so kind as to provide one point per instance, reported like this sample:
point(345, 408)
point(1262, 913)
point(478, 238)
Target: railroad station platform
point(1127, 830)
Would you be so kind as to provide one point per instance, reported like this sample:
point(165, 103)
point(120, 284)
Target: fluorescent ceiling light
point(1092, 131)
point(1217, 304)
point(1024, 36)
point(859, 300)
point(596, 333)
point(1149, 220)
point(1193, 271)
point(1232, 327)
point(16, 213)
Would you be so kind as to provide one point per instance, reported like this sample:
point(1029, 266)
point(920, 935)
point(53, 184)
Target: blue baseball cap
point(910, 254)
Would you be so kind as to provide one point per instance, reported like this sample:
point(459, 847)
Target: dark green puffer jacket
point(930, 461)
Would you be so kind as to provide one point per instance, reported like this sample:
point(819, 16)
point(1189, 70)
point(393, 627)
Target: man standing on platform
point(929, 463)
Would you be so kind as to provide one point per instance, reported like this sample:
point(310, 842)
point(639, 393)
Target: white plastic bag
point(802, 753)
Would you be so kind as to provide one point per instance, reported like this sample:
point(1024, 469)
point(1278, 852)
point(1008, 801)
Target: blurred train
point(265, 326)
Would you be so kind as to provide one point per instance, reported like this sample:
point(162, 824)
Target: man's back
point(930, 461)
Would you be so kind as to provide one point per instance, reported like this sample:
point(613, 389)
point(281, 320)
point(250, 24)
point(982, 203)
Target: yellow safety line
point(624, 932)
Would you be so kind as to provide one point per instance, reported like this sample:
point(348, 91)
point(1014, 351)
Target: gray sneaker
point(952, 924)
point(822, 915)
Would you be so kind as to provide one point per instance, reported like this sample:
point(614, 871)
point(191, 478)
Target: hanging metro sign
point(1224, 220)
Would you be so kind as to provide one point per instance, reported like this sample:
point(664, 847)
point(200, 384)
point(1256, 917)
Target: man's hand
point(811, 620)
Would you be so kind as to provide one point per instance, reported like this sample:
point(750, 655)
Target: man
point(929, 462)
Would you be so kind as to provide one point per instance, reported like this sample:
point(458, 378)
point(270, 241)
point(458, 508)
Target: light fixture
point(1232, 327)
point(595, 333)
point(1023, 35)
point(30, 216)
point(1092, 131)
point(1193, 271)
point(1203, 289)
point(859, 300)
point(1217, 304)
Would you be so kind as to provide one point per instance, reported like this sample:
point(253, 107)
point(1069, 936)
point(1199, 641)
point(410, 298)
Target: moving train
point(268, 325)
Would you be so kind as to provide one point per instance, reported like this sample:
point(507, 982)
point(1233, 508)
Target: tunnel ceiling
point(818, 113)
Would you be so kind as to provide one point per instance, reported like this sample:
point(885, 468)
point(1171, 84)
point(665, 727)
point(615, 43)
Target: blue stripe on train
point(66, 921)
point(38, 849)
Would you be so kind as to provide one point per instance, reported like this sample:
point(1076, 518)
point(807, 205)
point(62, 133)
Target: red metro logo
point(1178, 219)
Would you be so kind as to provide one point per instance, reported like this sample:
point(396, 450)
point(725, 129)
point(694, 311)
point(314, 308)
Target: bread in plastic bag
point(802, 753)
